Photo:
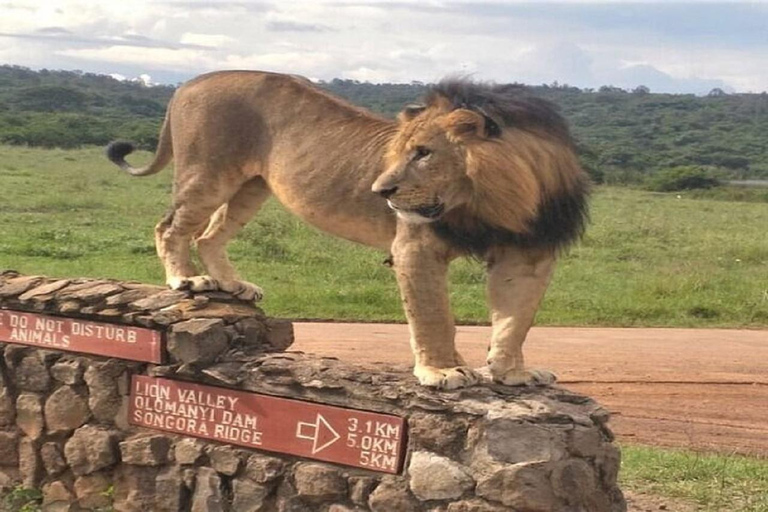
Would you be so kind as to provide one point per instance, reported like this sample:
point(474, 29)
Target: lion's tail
point(118, 150)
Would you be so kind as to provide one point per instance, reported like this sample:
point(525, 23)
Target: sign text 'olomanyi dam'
point(333, 434)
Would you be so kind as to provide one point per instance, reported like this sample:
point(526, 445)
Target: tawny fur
point(475, 163)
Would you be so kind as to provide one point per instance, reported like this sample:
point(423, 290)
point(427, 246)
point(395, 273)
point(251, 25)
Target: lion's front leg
point(421, 267)
point(517, 280)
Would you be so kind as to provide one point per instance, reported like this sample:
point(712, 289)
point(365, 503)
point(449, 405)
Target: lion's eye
point(421, 152)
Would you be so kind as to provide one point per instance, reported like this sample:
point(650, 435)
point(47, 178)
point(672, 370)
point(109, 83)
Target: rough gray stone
point(574, 481)
point(134, 488)
point(18, 285)
point(253, 331)
point(133, 295)
point(360, 488)
point(188, 450)
point(608, 463)
point(391, 495)
point(584, 442)
point(288, 501)
point(524, 487)
point(43, 291)
point(514, 442)
point(89, 292)
point(90, 449)
point(53, 459)
point(29, 414)
point(9, 449)
point(32, 374)
point(13, 355)
point(7, 481)
point(91, 491)
point(57, 497)
point(30, 467)
point(319, 483)
point(224, 459)
point(170, 491)
point(197, 341)
point(188, 476)
point(279, 333)
point(68, 371)
point(207, 496)
point(152, 450)
point(248, 496)
point(436, 433)
point(7, 409)
point(103, 397)
point(437, 478)
point(475, 505)
point(65, 410)
point(264, 469)
point(159, 300)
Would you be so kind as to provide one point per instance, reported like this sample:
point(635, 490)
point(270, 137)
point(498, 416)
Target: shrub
point(681, 178)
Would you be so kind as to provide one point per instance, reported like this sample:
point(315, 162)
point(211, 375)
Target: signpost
point(334, 434)
point(73, 335)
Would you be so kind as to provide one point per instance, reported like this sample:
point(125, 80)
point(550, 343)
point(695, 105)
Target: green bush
point(681, 178)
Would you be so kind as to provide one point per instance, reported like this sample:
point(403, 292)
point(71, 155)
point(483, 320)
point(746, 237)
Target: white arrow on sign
point(321, 433)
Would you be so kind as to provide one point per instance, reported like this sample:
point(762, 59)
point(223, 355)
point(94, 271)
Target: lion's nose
point(386, 193)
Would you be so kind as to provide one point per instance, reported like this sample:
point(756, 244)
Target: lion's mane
point(529, 189)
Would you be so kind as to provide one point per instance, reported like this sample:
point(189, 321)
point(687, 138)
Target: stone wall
point(64, 429)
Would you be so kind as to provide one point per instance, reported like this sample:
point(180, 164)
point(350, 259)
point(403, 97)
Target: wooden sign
point(334, 434)
point(74, 335)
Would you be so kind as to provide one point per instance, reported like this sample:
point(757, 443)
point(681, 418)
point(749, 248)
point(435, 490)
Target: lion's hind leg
point(225, 223)
point(517, 280)
point(195, 202)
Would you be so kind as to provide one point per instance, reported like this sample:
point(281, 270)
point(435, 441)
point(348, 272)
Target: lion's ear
point(464, 125)
point(467, 125)
point(410, 112)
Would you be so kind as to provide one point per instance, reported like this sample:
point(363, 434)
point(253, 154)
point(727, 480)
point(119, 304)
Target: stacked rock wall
point(64, 421)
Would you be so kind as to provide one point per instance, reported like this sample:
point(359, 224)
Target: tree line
point(623, 136)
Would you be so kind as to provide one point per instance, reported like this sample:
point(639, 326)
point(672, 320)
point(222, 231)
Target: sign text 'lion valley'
point(333, 434)
point(73, 335)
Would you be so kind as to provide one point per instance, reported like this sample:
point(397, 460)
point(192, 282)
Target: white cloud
point(584, 43)
point(153, 58)
point(211, 40)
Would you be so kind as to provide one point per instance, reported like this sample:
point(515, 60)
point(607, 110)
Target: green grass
point(714, 482)
point(648, 259)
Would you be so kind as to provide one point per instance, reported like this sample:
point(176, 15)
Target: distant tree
point(681, 178)
point(716, 93)
point(641, 89)
point(51, 98)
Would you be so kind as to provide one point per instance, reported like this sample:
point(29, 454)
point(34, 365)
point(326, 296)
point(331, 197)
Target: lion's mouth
point(425, 213)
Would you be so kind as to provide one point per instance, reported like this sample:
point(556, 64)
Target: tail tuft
point(118, 150)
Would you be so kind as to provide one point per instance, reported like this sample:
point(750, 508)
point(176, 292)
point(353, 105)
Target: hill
point(623, 135)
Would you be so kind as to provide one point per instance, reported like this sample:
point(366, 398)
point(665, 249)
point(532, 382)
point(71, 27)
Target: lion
point(478, 170)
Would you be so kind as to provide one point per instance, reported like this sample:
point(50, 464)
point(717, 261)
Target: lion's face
point(426, 168)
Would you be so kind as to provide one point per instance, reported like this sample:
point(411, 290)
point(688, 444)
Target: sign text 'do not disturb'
point(75, 335)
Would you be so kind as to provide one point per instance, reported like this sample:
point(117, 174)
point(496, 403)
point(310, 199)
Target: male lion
point(478, 170)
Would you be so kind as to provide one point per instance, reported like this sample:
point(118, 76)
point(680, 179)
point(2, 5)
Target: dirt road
point(692, 388)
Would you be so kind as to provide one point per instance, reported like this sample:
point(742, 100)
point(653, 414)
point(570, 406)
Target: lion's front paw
point(446, 378)
point(243, 290)
point(193, 283)
point(532, 377)
point(203, 284)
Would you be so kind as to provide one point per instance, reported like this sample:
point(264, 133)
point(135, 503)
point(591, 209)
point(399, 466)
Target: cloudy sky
point(688, 47)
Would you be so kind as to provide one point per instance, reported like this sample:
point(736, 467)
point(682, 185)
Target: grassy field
point(716, 483)
point(648, 259)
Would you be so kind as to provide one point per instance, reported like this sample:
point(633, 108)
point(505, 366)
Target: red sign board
point(347, 436)
point(73, 335)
